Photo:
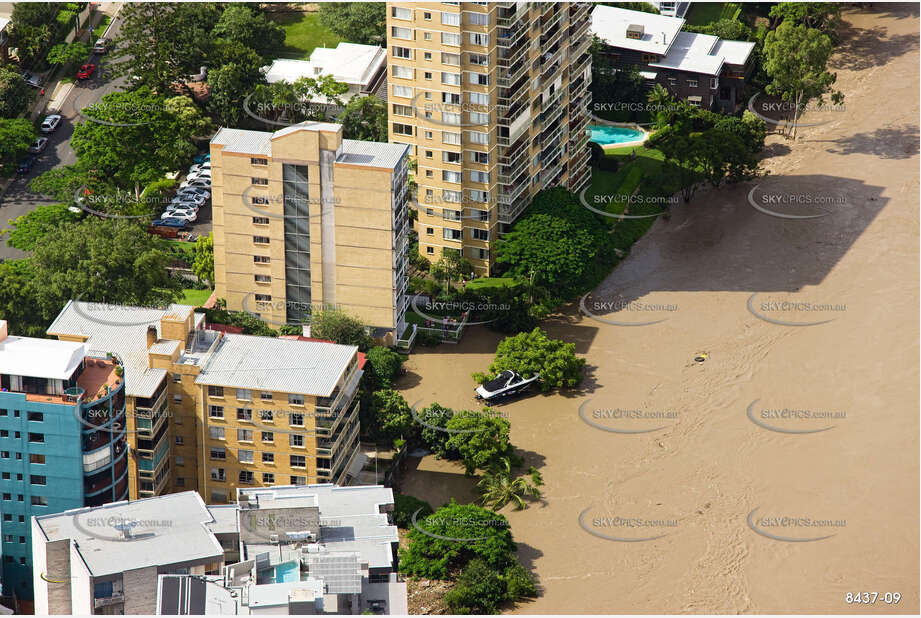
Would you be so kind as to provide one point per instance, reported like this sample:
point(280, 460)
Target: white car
point(50, 123)
point(198, 183)
point(184, 214)
point(190, 198)
point(198, 174)
point(200, 166)
point(195, 192)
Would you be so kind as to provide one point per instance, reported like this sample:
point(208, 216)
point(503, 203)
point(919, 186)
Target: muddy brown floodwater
point(804, 432)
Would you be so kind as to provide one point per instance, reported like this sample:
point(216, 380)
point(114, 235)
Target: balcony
point(115, 599)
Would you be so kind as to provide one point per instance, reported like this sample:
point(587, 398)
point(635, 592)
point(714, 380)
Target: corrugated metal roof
point(122, 330)
point(374, 154)
point(240, 140)
point(282, 365)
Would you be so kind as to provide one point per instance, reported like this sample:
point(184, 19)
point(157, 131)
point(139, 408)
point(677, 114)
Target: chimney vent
point(151, 336)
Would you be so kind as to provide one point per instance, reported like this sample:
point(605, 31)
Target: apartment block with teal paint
point(62, 439)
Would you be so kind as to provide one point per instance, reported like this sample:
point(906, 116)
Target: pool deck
point(625, 125)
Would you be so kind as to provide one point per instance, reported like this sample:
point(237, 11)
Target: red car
point(86, 71)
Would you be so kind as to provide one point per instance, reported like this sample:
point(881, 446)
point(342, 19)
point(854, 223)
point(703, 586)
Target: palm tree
point(498, 486)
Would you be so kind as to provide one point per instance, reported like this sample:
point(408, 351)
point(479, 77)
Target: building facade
point(211, 412)
point(491, 98)
point(304, 220)
point(62, 439)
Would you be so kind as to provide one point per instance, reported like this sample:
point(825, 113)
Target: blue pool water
point(287, 572)
point(613, 135)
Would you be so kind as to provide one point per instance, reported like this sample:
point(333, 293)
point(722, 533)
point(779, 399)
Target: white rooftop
point(734, 52)
point(40, 358)
point(171, 529)
point(610, 25)
point(694, 53)
point(123, 330)
point(354, 64)
point(272, 364)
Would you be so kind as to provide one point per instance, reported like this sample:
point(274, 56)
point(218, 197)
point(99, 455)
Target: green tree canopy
point(356, 22)
point(364, 118)
point(482, 534)
point(69, 53)
point(404, 506)
point(15, 93)
point(203, 260)
point(246, 24)
point(479, 438)
point(15, 136)
point(30, 228)
point(340, 327)
point(385, 364)
point(536, 353)
point(17, 301)
point(394, 418)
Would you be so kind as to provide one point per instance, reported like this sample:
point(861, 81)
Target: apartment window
point(261, 259)
point(476, 176)
point(448, 137)
point(7, 496)
point(215, 391)
point(216, 433)
point(298, 461)
point(478, 137)
point(450, 19)
point(37, 417)
point(427, 36)
point(450, 157)
point(448, 38)
point(180, 482)
point(4, 412)
point(217, 474)
point(7, 517)
point(478, 39)
point(260, 200)
point(693, 83)
point(36, 459)
point(478, 98)
point(261, 240)
point(450, 118)
point(265, 395)
point(246, 477)
point(4, 454)
point(427, 55)
point(402, 129)
point(430, 250)
point(478, 79)
point(296, 420)
point(451, 215)
point(672, 81)
point(267, 416)
point(450, 234)
point(478, 19)
point(296, 440)
point(428, 135)
point(262, 278)
point(245, 456)
point(244, 414)
point(268, 458)
point(479, 196)
point(177, 378)
point(478, 234)
point(429, 231)
point(452, 59)
point(298, 480)
point(402, 110)
point(258, 161)
point(402, 91)
point(479, 157)
point(179, 440)
point(450, 79)
point(427, 16)
point(263, 298)
point(4, 433)
point(244, 394)
point(401, 52)
point(402, 72)
point(180, 461)
point(400, 13)
point(260, 220)
point(295, 400)
point(244, 435)
point(480, 254)
point(428, 75)
point(449, 176)
point(217, 452)
point(268, 477)
point(39, 501)
point(478, 59)
point(450, 98)
point(401, 33)
point(455, 197)
point(714, 83)
point(218, 495)
point(259, 181)
point(478, 118)
point(36, 437)
point(428, 154)
point(268, 436)
point(216, 411)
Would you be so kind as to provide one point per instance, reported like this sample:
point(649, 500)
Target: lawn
point(194, 297)
point(303, 33)
point(703, 13)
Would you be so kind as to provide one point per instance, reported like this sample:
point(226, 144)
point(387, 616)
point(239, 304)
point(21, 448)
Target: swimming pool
point(604, 135)
point(287, 572)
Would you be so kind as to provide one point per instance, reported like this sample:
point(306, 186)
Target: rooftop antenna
point(124, 526)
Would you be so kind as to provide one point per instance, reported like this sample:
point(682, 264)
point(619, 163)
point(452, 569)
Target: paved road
point(18, 199)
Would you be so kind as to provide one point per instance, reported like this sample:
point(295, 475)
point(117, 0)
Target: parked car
point(199, 167)
point(186, 214)
point(25, 166)
point(198, 174)
point(101, 46)
point(202, 158)
point(182, 204)
point(196, 192)
point(199, 183)
point(86, 71)
point(197, 200)
point(50, 123)
point(38, 145)
point(169, 222)
point(33, 80)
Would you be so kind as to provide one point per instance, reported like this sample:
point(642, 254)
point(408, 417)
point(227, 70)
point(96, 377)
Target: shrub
point(385, 365)
point(480, 438)
point(435, 416)
point(479, 590)
point(534, 352)
point(404, 506)
point(394, 419)
point(340, 327)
